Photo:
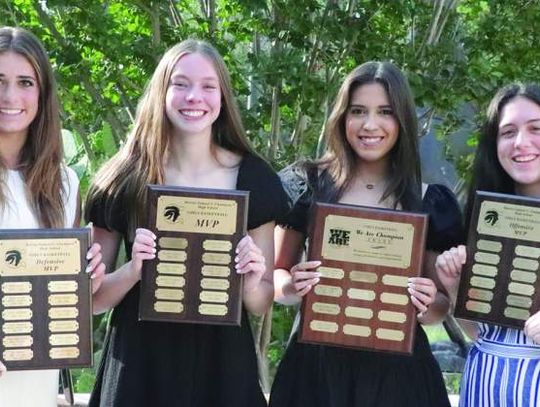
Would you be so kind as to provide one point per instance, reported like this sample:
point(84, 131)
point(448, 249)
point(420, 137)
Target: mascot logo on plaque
point(339, 237)
point(491, 217)
point(13, 258)
point(171, 214)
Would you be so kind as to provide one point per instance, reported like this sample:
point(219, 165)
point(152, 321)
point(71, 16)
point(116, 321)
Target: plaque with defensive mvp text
point(193, 276)
point(45, 299)
point(498, 282)
point(367, 257)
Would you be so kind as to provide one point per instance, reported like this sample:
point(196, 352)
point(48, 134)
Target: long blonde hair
point(41, 155)
point(140, 160)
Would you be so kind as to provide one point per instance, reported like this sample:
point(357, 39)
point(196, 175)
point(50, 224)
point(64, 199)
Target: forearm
point(284, 290)
point(259, 299)
point(113, 289)
point(437, 311)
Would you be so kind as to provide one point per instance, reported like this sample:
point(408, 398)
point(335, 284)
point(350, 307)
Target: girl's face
point(371, 127)
point(518, 143)
point(193, 100)
point(19, 95)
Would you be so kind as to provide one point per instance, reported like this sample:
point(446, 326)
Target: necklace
point(370, 186)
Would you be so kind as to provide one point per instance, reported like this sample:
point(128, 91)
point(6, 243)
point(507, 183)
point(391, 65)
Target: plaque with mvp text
point(45, 299)
point(193, 276)
point(498, 282)
point(367, 257)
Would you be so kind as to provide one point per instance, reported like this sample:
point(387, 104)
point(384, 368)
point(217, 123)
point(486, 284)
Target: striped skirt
point(501, 375)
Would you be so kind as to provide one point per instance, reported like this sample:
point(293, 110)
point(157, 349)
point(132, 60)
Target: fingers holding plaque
point(45, 307)
point(192, 278)
point(367, 258)
point(499, 280)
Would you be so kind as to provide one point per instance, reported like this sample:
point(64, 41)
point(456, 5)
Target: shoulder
point(267, 198)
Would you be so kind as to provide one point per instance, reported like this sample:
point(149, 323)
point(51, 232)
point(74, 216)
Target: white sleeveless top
point(32, 388)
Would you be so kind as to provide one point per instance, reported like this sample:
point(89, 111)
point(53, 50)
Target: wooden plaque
point(45, 299)
point(367, 257)
point(193, 277)
point(500, 279)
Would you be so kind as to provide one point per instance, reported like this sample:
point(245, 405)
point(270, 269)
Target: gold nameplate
point(17, 314)
point(216, 258)
point(17, 341)
point(525, 264)
point(323, 326)
point(64, 353)
point(173, 307)
point(213, 296)
point(215, 271)
point(356, 330)
point(512, 221)
point(213, 309)
point(399, 299)
point(527, 251)
point(62, 286)
point(17, 327)
point(64, 326)
point(170, 281)
point(16, 288)
point(489, 258)
point(215, 284)
point(484, 270)
point(397, 281)
point(217, 245)
point(178, 243)
point(363, 277)
point(63, 299)
point(517, 313)
point(328, 290)
point(171, 268)
point(483, 282)
point(518, 301)
point(169, 294)
point(359, 294)
point(482, 295)
point(172, 255)
point(331, 272)
point(63, 312)
point(392, 316)
point(63, 339)
point(489, 246)
point(323, 308)
point(17, 355)
point(17, 301)
point(522, 289)
point(523, 276)
point(359, 312)
point(390, 334)
point(477, 306)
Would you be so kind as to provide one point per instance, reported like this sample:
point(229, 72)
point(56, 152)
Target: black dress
point(325, 376)
point(163, 364)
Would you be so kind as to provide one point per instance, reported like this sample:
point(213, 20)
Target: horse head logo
point(171, 213)
point(491, 217)
point(13, 258)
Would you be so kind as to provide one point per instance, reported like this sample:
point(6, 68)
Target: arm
point(254, 259)
point(292, 278)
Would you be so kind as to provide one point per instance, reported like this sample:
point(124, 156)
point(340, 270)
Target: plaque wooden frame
point(45, 303)
point(199, 285)
point(499, 280)
point(366, 314)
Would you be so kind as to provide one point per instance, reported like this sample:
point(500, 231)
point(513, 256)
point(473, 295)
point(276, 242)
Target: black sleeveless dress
point(163, 364)
point(325, 376)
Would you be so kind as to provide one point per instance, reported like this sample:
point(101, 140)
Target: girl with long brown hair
point(187, 132)
point(36, 189)
point(371, 159)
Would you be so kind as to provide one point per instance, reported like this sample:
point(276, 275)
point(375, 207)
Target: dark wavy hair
point(488, 174)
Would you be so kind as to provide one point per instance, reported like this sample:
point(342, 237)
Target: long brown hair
point(339, 162)
point(140, 161)
point(41, 155)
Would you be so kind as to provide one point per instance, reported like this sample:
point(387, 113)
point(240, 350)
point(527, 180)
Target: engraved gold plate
point(359, 294)
point(16, 301)
point(64, 353)
point(483, 282)
point(17, 355)
point(17, 341)
point(331, 272)
point(523, 276)
point(63, 326)
point(63, 339)
point(477, 306)
point(517, 313)
point(216, 258)
point(215, 271)
point(217, 245)
point(525, 264)
point(522, 289)
point(63, 299)
point(169, 294)
point(171, 268)
point(527, 251)
point(356, 330)
point(170, 281)
point(392, 316)
point(323, 326)
point(17, 328)
point(213, 296)
point(38, 257)
point(328, 290)
point(178, 243)
point(397, 281)
point(213, 309)
point(62, 286)
point(172, 255)
point(323, 308)
point(489, 246)
point(363, 277)
point(215, 284)
point(390, 298)
point(489, 258)
point(478, 294)
point(484, 270)
point(16, 287)
point(63, 312)
point(368, 241)
point(512, 221)
point(518, 301)
point(166, 306)
point(17, 314)
point(196, 215)
point(390, 334)
point(358, 312)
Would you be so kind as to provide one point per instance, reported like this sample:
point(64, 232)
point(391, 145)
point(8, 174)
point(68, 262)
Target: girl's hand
point(144, 248)
point(2, 369)
point(423, 292)
point(250, 261)
point(448, 267)
point(304, 276)
point(95, 266)
point(532, 328)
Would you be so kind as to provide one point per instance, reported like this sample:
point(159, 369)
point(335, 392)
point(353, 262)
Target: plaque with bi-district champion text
point(500, 278)
point(367, 257)
point(193, 277)
point(45, 299)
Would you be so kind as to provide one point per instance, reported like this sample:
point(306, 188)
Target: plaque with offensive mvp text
point(193, 276)
point(45, 299)
point(498, 282)
point(367, 257)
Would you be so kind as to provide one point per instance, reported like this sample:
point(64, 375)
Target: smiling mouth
point(10, 112)
point(370, 140)
point(524, 158)
point(192, 113)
